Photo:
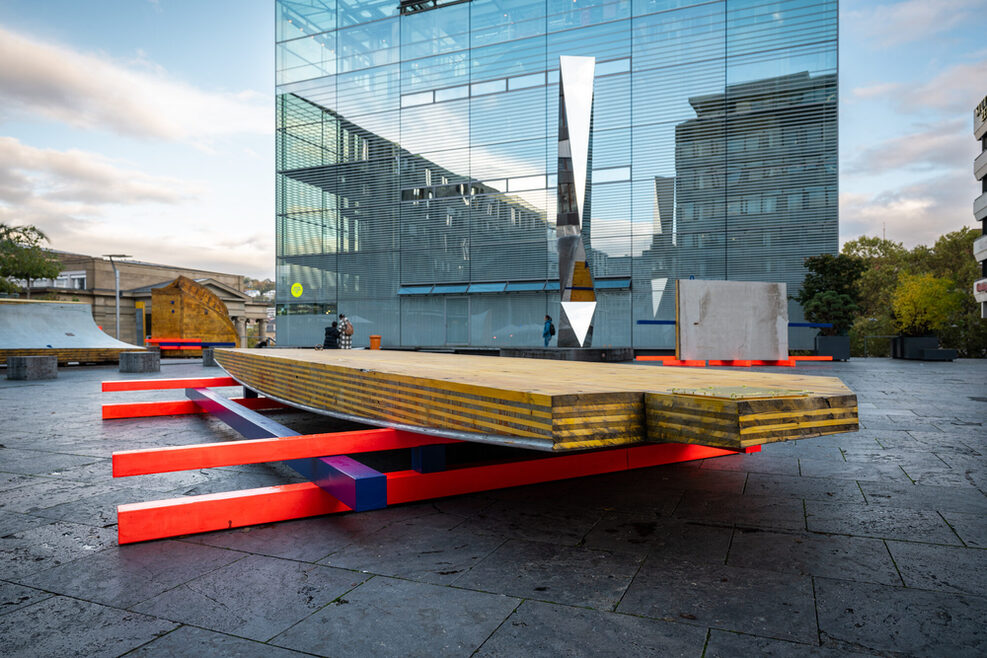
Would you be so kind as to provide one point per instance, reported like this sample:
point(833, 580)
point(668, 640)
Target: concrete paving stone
point(35, 462)
point(641, 534)
point(903, 458)
point(943, 568)
point(14, 480)
point(256, 597)
point(306, 540)
point(14, 596)
point(943, 442)
point(42, 547)
point(123, 576)
point(726, 644)
point(391, 617)
point(60, 626)
point(764, 603)
point(755, 463)
point(878, 521)
point(939, 476)
point(850, 558)
point(187, 641)
point(970, 527)
point(853, 470)
point(641, 489)
point(804, 450)
point(99, 510)
point(543, 629)
point(559, 574)
point(882, 619)
point(47, 492)
point(698, 479)
point(807, 488)
point(920, 496)
point(536, 521)
point(748, 510)
point(432, 548)
point(11, 522)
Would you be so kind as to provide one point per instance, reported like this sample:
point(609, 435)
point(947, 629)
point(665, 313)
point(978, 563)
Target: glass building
point(417, 147)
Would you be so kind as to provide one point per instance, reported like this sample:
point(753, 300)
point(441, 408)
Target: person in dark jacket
point(331, 341)
point(549, 330)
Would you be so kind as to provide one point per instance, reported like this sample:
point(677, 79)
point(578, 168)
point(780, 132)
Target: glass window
point(491, 87)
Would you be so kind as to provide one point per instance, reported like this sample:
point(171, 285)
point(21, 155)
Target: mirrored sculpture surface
point(574, 187)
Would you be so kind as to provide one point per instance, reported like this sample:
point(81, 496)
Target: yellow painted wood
point(560, 405)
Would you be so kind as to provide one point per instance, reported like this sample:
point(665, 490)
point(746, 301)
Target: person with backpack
point(345, 333)
point(549, 330)
point(331, 341)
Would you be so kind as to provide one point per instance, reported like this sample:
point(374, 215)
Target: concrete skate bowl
point(62, 329)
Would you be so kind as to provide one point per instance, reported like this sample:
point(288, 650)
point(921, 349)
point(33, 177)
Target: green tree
point(924, 303)
point(829, 291)
point(22, 256)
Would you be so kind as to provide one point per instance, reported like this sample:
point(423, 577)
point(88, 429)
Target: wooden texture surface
point(553, 405)
point(71, 354)
point(184, 309)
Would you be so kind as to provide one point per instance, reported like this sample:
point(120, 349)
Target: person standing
point(331, 341)
point(548, 331)
point(345, 333)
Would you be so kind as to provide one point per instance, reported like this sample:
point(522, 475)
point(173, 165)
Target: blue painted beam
point(354, 484)
point(428, 459)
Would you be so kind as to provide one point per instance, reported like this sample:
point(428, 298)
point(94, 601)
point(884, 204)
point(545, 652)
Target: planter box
point(923, 348)
point(837, 347)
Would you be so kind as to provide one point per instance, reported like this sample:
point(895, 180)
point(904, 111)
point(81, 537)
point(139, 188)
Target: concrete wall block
point(208, 360)
point(32, 367)
point(140, 362)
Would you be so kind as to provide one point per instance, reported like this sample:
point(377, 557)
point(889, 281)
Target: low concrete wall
point(32, 367)
point(570, 353)
point(208, 358)
point(140, 362)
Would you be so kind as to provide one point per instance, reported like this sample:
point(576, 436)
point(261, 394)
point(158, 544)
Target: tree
point(924, 304)
point(22, 256)
point(829, 291)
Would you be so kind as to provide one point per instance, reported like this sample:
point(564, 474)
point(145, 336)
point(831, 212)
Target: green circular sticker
point(297, 290)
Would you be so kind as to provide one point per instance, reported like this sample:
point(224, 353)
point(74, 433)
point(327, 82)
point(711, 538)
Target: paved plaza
point(866, 543)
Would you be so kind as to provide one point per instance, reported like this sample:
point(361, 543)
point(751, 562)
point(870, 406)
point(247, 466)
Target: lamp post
point(116, 276)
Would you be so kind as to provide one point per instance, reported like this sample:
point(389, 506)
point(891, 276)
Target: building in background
point(90, 279)
point(980, 204)
point(417, 154)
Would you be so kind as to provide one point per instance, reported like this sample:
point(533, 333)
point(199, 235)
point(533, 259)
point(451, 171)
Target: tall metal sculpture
point(575, 167)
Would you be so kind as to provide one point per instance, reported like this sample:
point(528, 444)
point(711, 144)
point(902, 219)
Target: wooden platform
point(548, 405)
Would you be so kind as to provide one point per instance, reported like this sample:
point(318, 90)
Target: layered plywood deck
point(549, 405)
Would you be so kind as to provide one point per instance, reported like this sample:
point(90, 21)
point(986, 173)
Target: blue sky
point(146, 127)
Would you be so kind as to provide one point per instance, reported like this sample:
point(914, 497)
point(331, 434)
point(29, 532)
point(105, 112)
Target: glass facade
point(417, 156)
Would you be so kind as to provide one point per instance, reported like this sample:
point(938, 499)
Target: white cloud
point(136, 99)
point(947, 144)
point(899, 23)
point(912, 214)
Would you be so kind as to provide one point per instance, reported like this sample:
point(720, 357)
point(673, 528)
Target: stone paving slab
point(543, 629)
point(391, 617)
point(879, 534)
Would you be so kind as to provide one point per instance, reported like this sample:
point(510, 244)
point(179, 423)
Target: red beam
point(256, 451)
point(741, 363)
point(234, 509)
point(191, 514)
point(162, 384)
point(178, 408)
point(782, 362)
point(811, 358)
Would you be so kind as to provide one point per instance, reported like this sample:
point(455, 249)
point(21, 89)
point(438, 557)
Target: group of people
point(339, 335)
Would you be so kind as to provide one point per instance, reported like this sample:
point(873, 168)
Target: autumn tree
point(22, 256)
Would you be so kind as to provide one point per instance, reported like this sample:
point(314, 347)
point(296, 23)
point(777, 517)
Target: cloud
point(900, 23)
point(78, 179)
point(912, 214)
point(956, 90)
point(947, 144)
point(876, 91)
point(135, 99)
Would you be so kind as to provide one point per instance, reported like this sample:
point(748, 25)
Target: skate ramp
point(63, 329)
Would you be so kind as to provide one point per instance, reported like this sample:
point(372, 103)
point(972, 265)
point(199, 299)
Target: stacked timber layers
point(548, 405)
point(184, 311)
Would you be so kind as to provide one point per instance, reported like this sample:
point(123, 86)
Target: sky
point(146, 127)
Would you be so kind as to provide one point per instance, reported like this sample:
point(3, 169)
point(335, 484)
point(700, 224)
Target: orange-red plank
point(782, 362)
point(190, 514)
point(647, 357)
point(256, 451)
point(731, 362)
point(689, 363)
point(811, 358)
point(670, 453)
point(161, 384)
point(177, 408)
